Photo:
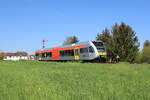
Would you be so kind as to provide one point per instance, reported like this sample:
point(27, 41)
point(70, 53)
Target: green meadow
point(34, 80)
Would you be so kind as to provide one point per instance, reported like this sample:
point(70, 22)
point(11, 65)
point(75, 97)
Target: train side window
point(61, 53)
point(65, 53)
point(40, 55)
point(91, 50)
point(70, 53)
point(36, 54)
point(43, 54)
point(49, 54)
point(83, 50)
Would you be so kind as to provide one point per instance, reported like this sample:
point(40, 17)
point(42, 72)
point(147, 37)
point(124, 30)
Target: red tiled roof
point(10, 54)
point(17, 54)
point(21, 54)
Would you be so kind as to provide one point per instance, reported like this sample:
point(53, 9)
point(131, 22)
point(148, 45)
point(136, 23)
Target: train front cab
point(101, 51)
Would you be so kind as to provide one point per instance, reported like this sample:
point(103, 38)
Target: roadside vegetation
point(121, 41)
point(2, 56)
point(34, 80)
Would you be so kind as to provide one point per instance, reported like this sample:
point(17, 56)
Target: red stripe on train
point(55, 51)
point(68, 48)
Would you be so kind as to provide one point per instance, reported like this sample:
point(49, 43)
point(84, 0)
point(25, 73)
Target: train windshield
point(99, 46)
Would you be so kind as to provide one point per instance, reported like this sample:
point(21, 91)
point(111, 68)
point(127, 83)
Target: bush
point(146, 54)
point(138, 58)
point(2, 56)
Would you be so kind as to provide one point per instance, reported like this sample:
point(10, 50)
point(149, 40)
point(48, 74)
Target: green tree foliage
point(146, 43)
point(2, 56)
point(71, 40)
point(125, 42)
point(122, 42)
point(146, 52)
point(138, 58)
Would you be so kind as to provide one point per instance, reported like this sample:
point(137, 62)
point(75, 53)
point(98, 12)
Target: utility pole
point(43, 43)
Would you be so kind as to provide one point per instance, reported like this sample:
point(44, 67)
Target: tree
point(125, 42)
point(71, 40)
point(146, 52)
point(121, 41)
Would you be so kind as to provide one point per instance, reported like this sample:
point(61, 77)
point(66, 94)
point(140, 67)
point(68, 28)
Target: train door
point(76, 54)
point(55, 53)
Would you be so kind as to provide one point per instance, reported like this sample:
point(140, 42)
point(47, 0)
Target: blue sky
point(24, 23)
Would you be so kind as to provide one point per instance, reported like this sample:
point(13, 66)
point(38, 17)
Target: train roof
point(87, 43)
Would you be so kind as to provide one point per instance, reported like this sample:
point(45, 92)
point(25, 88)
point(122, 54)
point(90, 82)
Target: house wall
point(16, 58)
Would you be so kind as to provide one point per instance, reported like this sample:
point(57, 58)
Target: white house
point(16, 56)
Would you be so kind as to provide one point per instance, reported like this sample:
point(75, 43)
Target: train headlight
point(102, 53)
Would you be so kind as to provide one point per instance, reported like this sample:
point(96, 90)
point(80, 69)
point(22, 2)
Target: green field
point(33, 80)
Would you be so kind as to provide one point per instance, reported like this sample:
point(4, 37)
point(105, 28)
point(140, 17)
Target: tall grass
point(33, 80)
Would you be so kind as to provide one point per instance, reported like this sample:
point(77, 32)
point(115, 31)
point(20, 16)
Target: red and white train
point(81, 51)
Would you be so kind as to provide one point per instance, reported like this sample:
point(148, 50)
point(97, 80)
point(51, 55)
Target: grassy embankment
point(33, 80)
